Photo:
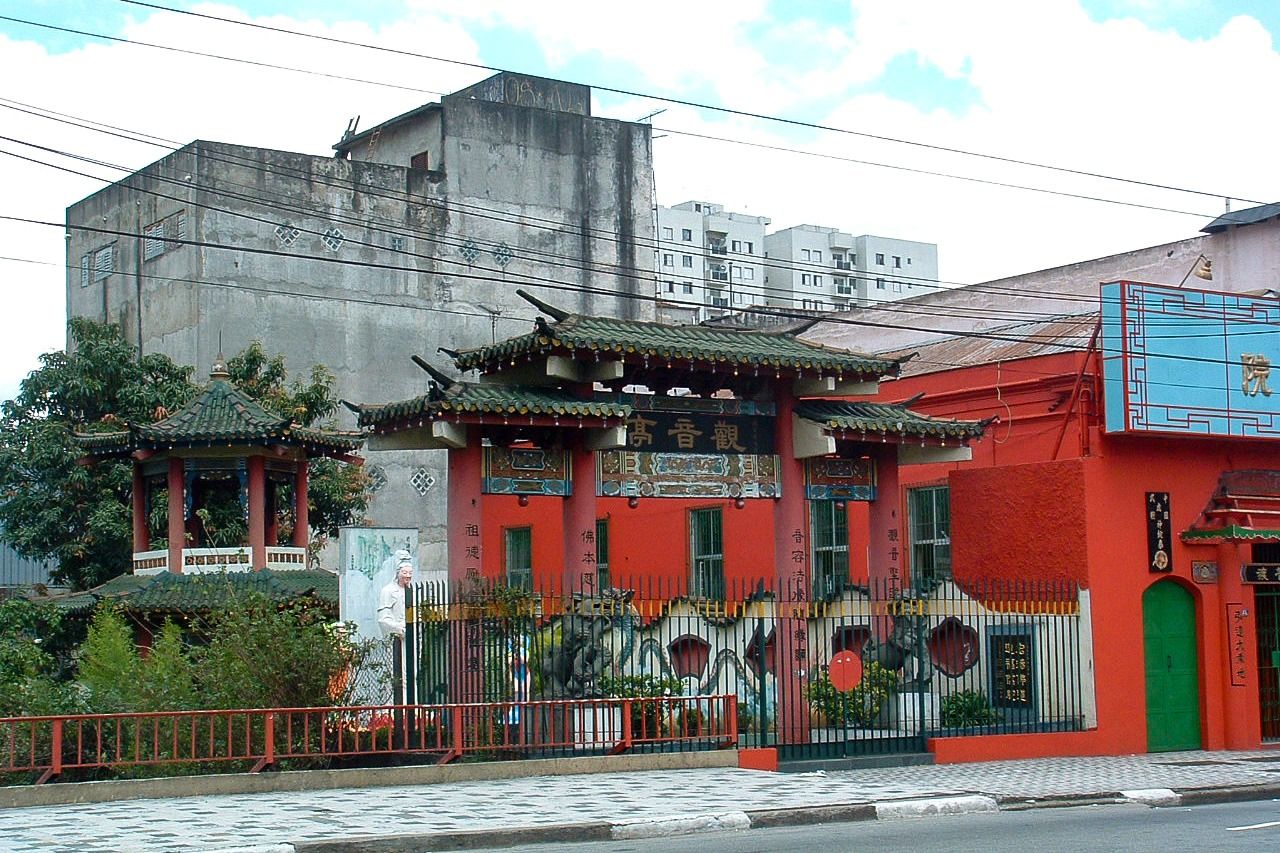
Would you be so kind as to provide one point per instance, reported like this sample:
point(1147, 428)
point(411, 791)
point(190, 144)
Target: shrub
point(647, 718)
point(109, 663)
point(859, 706)
point(967, 708)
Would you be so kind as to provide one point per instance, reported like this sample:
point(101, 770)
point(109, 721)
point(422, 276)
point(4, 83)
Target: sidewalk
point(625, 805)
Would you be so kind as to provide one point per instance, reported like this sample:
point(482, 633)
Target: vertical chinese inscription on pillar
point(588, 561)
point(1238, 633)
point(799, 595)
point(1158, 532)
point(472, 630)
point(895, 556)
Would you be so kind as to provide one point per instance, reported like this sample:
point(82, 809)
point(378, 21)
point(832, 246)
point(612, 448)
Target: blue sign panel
point(1189, 362)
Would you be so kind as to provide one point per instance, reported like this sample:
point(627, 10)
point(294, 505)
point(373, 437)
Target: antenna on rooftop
point(352, 124)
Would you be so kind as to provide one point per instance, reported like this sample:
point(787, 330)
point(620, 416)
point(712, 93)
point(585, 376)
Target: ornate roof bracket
point(551, 311)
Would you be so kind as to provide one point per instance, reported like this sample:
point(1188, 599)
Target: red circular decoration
point(846, 671)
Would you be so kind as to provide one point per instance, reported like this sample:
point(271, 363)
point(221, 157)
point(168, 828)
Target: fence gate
point(1267, 601)
point(860, 670)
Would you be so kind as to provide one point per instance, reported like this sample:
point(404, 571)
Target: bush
point(647, 718)
point(859, 706)
point(30, 683)
point(967, 708)
point(109, 664)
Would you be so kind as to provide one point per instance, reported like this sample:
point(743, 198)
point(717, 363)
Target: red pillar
point(888, 535)
point(466, 652)
point(177, 511)
point(141, 535)
point(792, 575)
point(579, 515)
point(257, 512)
point(301, 506)
point(463, 514)
point(1243, 715)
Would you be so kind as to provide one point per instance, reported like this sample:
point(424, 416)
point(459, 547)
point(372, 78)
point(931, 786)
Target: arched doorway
point(1172, 667)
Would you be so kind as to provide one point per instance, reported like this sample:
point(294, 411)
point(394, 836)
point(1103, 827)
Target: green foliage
point(29, 671)
point(168, 676)
point(109, 663)
point(80, 515)
point(647, 718)
point(967, 708)
point(266, 655)
point(49, 505)
point(859, 706)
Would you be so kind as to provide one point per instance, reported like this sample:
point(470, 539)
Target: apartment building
point(816, 268)
point(708, 261)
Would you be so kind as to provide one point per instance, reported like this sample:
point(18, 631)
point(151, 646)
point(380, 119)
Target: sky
point(1171, 93)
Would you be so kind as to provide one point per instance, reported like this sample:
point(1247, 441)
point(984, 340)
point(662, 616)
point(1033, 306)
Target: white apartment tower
point(814, 268)
point(708, 261)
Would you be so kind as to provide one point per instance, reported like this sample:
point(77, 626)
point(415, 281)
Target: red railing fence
point(263, 737)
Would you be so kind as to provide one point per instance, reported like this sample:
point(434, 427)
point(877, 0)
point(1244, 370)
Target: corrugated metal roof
point(1249, 216)
point(1069, 333)
point(19, 571)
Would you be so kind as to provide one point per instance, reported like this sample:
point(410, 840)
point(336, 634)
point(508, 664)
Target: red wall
point(1017, 513)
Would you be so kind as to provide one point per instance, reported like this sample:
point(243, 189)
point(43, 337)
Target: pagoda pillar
point(301, 505)
point(579, 521)
point(1240, 648)
point(177, 513)
point(463, 512)
point(884, 555)
point(141, 534)
point(792, 578)
point(257, 470)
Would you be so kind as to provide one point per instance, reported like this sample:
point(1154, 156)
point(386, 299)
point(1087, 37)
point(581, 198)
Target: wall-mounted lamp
point(523, 500)
point(1201, 268)
point(633, 502)
point(739, 503)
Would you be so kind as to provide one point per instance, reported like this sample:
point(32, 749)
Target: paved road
point(1251, 827)
point(221, 822)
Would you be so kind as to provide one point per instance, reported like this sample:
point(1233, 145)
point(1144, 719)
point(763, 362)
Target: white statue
point(391, 598)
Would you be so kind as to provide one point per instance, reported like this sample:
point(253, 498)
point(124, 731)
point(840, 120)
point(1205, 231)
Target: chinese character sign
point(1158, 534)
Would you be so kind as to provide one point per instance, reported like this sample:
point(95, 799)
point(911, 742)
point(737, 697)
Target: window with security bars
point(104, 262)
point(929, 517)
point(830, 542)
point(518, 554)
point(706, 553)
point(603, 580)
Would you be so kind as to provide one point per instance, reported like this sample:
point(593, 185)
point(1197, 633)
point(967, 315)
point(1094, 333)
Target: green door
point(1173, 677)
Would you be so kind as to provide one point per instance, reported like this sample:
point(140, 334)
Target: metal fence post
point(55, 760)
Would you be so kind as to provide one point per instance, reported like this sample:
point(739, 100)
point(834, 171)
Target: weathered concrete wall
point(358, 264)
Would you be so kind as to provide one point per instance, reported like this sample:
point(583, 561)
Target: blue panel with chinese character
point(1187, 361)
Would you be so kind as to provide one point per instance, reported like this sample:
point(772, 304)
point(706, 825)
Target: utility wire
point(698, 105)
point(875, 164)
point(674, 247)
point(256, 200)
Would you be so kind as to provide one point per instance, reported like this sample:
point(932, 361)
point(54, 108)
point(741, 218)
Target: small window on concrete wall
point(421, 160)
point(517, 547)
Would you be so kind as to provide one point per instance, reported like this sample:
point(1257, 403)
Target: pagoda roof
point(470, 398)
point(1245, 507)
point(886, 419)
point(220, 414)
point(572, 334)
point(174, 593)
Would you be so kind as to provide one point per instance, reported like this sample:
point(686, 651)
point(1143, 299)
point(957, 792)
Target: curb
point(691, 824)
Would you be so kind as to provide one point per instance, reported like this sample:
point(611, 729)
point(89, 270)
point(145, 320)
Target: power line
point(532, 280)
point(700, 105)
point(614, 269)
point(710, 137)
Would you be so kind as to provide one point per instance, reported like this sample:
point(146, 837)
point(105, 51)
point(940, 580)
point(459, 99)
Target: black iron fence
point(866, 669)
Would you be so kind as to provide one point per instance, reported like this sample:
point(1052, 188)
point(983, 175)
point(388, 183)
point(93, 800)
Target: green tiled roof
point(750, 348)
point(220, 414)
point(471, 398)
point(885, 418)
point(1230, 533)
point(172, 593)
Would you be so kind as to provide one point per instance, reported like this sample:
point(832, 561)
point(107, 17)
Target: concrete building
point(816, 268)
point(708, 261)
point(412, 236)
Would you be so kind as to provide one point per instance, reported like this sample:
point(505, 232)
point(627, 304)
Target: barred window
point(929, 515)
point(706, 551)
point(104, 262)
point(518, 556)
point(830, 541)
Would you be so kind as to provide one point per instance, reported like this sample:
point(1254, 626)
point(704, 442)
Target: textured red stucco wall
point(1020, 522)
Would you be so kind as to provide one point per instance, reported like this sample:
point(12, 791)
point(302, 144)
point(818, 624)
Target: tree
point(80, 515)
point(50, 506)
point(30, 672)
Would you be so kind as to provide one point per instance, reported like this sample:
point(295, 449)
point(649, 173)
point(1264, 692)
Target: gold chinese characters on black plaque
point(1158, 539)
